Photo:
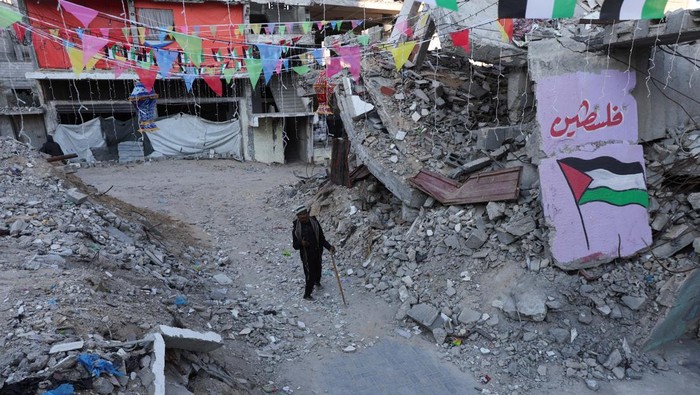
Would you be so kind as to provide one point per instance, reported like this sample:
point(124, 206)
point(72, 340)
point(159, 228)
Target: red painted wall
point(51, 54)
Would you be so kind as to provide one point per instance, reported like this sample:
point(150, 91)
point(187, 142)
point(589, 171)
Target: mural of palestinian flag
point(536, 9)
point(605, 179)
point(632, 9)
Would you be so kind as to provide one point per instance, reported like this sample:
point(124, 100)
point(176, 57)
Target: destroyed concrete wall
point(657, 113)
point(267, 140)
point(593, 183)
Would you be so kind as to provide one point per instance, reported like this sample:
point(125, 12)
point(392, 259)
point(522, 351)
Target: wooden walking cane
point(337, 277)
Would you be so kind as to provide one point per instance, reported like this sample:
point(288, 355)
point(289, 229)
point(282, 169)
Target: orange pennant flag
point(506, 28)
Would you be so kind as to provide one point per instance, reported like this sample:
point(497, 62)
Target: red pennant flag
point(506, 28)
point(20, 31)
point(147, 77)
point(461, 39)
point(214, 82)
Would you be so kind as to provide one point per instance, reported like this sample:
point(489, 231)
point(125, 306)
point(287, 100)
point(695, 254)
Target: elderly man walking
point(308, 238)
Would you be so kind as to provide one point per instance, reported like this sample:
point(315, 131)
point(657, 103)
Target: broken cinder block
point(76, 196)
point(186, 339)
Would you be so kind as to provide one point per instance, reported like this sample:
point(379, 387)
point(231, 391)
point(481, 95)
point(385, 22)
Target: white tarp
point(78, 139)
point(187, 134)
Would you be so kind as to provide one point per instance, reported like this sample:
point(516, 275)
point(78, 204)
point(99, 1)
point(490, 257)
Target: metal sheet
point(479, 188)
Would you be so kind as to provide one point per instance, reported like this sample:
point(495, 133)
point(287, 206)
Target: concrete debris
point(634, 302)
point(186, 339)
point(424, 314)
point(64, 347)
point(76, 196)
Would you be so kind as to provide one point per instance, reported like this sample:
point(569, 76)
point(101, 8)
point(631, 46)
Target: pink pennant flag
point(289, 26)
point(118, 70)
point(104, 31)
point(351, 57)
point(403, 28)
point(320, 24)
point(333, 67)
point(84, 14)
point(91, 46)
point(183, 29)
point(278, 69)
point(355, 23)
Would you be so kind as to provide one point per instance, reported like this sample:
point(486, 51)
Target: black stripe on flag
point(512, 8)
point(611, 9)
point(604, 162)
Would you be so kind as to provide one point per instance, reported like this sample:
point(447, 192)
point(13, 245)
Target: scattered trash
point(96, 366)
point(63, 389)
point(484, 379)
point(180, 300)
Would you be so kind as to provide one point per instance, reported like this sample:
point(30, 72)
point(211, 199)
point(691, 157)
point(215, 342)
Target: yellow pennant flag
point(76, 60)
point(142, 34)
point(255, 27)
point(423, 20)
point(54, 32)
point(401, 53)
point(92, 62)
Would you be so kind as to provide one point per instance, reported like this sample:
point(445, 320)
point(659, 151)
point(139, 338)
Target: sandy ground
point(227, 206)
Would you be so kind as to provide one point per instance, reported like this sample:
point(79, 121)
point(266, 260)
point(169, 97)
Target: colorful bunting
point(84, 14)
point(320, 24)
point(165, 60)
point(351, 57)
point(118, 70)
point(104, 31)
point(214, 82)
point(449, 4)
point(334, 26)
point(91, 46)
point(306, 27)
point(255, 27)
point(254, 67)
point(269, 29)
point(189, 78)
point(282, 29)
point(289, 26)
point(125, 32)
point(228, 74)
point(318, 55)
point(401, 53)
point(8, 17)
point(147, 77)
point(506, 28)
point(191, 45)
point(76, 60)
point(269, 55)
point(355, 23)
point(241, 29)
point(333, 67)
point(142, 34)
point(92, 62)
point(301, 70)
point(461, 39)
point(363, 39)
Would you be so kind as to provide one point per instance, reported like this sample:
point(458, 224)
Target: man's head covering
point(301, 209)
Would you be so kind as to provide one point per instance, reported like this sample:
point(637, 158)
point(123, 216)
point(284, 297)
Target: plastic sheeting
point(78, 139)
point(187, 134)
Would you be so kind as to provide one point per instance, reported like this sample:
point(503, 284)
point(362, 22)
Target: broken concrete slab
point(222, 279)
point(64, 347)
point(186, 339)
point(157, 386)
point(424, 314)
point(76, 196)
point(359, 107)
point(694, 200)
point(471, 167)
point(493, 138)
point(469, 316)
point(520, 225)
point(668, 248)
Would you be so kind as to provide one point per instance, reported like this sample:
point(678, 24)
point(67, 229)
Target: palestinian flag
point(536, 9)
point(605, 179)
point(632, 9)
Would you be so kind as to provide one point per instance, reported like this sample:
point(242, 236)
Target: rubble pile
point(478, 277)
point(83, 279)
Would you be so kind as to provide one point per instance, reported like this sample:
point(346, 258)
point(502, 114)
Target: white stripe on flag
point(631, 9)
point(618, 182)
point(540, 9)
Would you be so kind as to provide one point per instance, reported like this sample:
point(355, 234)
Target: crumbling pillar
point(518, 95)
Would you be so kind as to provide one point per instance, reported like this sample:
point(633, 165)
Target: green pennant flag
point(282, 29)
point(241, 29)
point(301, 70)
point(125, 31)
point(254, 67)
point(9, 17)
point(191, 45)
point(449, 4)
point(306, 27)
point(363, 39)
point(228, 74)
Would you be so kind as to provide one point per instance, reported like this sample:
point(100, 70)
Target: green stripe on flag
point(563, 9)
point(616, 198)
point(654, 9)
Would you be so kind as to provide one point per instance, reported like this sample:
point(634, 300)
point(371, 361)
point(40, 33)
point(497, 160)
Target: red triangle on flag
point(578, 181)
point(147, 77)
point(214, 82)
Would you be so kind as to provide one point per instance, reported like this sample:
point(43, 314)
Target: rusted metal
point(359, 173)
point(62, 157)
point(483, 187)
point(340, 170)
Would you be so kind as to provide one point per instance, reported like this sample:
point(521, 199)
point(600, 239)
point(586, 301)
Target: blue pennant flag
point(189, 78)
point(269, 55)
point(165, 60)
point(318, 55)
point(285, 63)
